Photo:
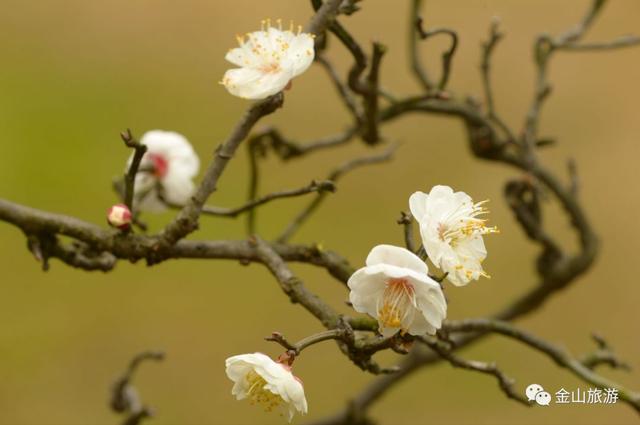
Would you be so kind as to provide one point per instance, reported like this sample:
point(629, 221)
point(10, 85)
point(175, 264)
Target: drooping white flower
point(268, 59)
point(395, 288)
point(268, 383)
point(119, 216)
point(452, 232)
point(166, 171)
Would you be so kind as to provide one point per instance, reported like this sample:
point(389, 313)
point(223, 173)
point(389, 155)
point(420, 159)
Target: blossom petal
point(439, 203)
point(418, 205)
point(420, 326)
point(300, 54)
point(433, 307)
point(177, 190)
point(243, 56)
point(251, 83)
point(396, 256)
point(366, 289)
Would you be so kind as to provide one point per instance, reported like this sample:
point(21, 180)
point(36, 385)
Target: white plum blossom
point(166, 171)
point(268, 59)
point(452, 232)
point(119, 216)
point(395, 288)
point(268, 383)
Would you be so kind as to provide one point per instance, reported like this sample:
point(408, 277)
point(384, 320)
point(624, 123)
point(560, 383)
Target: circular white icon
point(532, 390)
point(543, 398)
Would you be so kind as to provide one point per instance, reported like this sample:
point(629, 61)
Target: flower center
point(160, 164)
point(464, 223)
point(397, 299)
point(270, 68)
point(259, 394)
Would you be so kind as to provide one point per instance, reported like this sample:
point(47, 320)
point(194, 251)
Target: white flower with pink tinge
point(267, 383)
point(395, 288)
point(451, 230)
point(268, 59)
point(166, 171)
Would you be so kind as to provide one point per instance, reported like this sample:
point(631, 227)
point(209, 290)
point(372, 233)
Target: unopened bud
point(119, 216)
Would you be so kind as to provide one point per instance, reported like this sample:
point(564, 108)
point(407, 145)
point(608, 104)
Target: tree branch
point(416, 65)
point(125, 398)
point(345, 93)
point(485, 66)
point(334, 176)
point(130, 176)
point(313, 187)
point(506, 384)
point(557, 354)
point(187, 219)
point(447, 56)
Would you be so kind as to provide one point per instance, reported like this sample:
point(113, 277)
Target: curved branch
point(557, 354)
point(334, 176)
point(313, 187)
point(447, 56)
point(187, 219)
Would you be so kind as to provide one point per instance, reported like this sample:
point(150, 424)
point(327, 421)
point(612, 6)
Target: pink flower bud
point(119, 216)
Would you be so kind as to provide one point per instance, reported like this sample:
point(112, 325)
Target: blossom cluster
point(394, 286)
point(268, 60)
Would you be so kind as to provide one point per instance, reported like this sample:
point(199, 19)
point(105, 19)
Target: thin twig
point(345, 93)
point(618, 43)
point(130, 176)
point(603, 355)
point(334, 176)
point(416, 65)
point(557, 354)
point(270, 138)
point(313, 187)
point(406, 220)
point(506, 384)
point(544, 47)
point(447, 56)
point(485, 66)
point(187, 219)
point(308, 341)
point(125, 398)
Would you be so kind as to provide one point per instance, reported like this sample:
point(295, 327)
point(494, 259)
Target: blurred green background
point(75, 73)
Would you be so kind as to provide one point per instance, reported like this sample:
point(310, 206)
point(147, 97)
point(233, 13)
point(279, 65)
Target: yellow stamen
point(258, 394)
point(271, 68)
point(396, 300)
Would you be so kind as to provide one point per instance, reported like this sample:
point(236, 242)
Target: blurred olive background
point(74, 73)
